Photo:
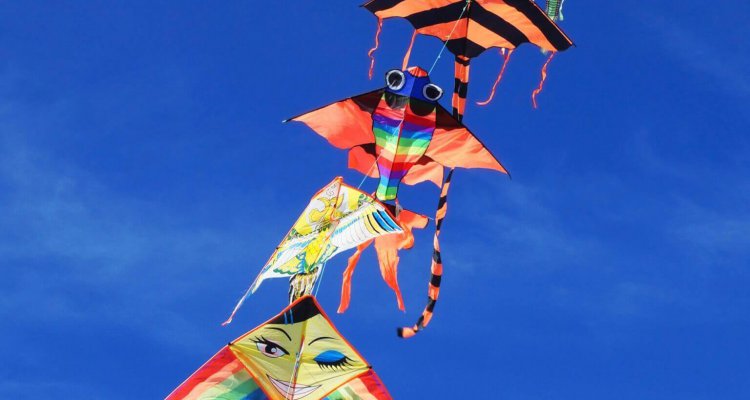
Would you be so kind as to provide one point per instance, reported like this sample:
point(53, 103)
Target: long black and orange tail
point(460, 86)
point(436, 269)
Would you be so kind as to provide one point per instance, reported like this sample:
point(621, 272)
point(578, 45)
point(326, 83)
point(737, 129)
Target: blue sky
point(145, 177)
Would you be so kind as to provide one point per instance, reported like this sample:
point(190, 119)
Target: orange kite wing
point(346, 123)
point(454, 146)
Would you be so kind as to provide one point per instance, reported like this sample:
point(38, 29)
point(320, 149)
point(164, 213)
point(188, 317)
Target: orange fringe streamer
point(372, 50)
point(405, 64)
point(506, 56)
point(544, 77)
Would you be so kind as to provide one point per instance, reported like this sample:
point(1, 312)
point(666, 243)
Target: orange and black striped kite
point(469, 27)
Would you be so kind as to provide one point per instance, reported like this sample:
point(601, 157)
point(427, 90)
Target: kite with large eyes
point(395, 79)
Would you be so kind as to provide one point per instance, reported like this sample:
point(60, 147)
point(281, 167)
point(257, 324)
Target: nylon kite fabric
point(469, 27)
point(297, 354)
point(387, 248)
point(338, 218)
point(401, 129)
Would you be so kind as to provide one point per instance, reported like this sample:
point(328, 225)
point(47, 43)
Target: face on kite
point(271, 351)
point(412, 85)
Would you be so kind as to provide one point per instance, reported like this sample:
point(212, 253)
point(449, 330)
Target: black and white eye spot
point(432, 92)
point(395, 79)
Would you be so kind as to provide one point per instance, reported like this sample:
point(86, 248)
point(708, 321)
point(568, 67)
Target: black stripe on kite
point(435, 280)
point(460, 88)
point(380, 5)
point(465, 47)
point(431, 305)
point(388, 220)
point(436, 257)
point(434, 16)
point(498, 25)
point(538, 17)
point(372, 221)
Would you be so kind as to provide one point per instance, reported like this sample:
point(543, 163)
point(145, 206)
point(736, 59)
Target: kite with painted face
point(403, 130)
point(298, 354)
point(410, 137)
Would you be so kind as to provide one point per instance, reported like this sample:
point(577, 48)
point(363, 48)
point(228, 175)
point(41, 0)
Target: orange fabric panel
point(429, 172)
point(387, 248)
point(408, 7)
point(346, 285)
point(362, 161)
point(515, 18)
point(459, 148)
point(486, 38)
point(443, 30)
point(344, 124)
point(520, 21)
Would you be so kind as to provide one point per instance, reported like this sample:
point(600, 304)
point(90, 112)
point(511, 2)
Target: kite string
point(367, 175)
point(293, 378)
point(445, 43)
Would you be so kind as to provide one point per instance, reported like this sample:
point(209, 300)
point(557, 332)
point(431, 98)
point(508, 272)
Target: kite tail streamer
point(436, 268)
point(372, 50)
point(239, 304)
point(405, 63)
point(544, 77)
point(302, 284)
point(460, 86)
point(346, 285)
point(506, 56)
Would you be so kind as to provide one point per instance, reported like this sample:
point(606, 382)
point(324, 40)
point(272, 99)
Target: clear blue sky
point(145, 177)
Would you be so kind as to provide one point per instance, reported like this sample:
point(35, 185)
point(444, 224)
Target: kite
point(554, 9)
point(403, 130)
point(298, 354)
point(339, 217)
point(410, 137)
point(469, 27)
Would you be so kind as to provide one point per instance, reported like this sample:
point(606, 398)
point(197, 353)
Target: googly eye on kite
point(432, 92)
point(395, 79)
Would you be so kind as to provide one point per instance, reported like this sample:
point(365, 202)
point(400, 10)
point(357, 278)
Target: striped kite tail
point(436, 268)
point(460, 86)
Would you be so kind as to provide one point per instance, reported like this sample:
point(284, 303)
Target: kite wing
point(454, 146)
point(338, 218)
point(297, 354)
point(346, 123)
point(482, 25)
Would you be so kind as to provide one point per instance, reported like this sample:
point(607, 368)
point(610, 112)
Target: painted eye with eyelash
point(269, 348)
point(332, 359)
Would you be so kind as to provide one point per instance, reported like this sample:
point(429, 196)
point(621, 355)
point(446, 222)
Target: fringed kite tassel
point(506, 57)
point(460, 87)
point(405, 63)
point(436, 268)
point(302, 284)
point(372, 50)
point(544, 77)
point(346, 285)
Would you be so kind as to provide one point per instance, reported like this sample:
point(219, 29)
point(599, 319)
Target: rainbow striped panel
point(364, 387)
point(401, 139)
point(222, 377)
